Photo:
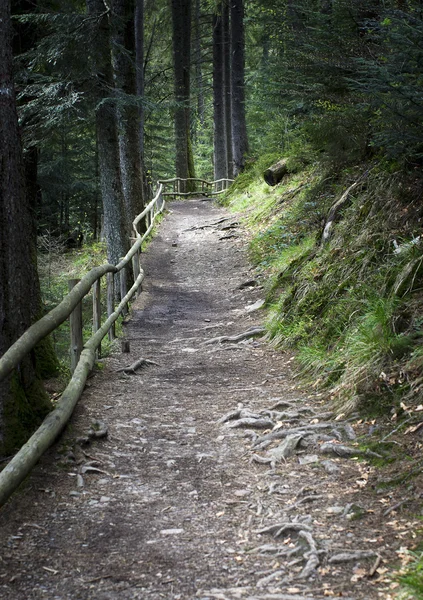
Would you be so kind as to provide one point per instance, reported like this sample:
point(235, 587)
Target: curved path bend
point(169, 505)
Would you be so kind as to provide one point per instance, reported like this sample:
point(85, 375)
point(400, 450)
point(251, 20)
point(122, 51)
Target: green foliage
point(411, 577)
point(55, 270)
point(391, 84)
point(351, 306)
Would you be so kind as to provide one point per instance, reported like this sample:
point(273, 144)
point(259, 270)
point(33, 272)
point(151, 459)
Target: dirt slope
point(170, 505)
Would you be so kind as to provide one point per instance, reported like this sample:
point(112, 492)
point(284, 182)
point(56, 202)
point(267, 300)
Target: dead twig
point(141, 362)
point(396, 506)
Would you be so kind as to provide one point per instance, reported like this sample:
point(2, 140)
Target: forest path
point(169, 504)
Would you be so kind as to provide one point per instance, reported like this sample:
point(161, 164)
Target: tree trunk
point(219, 129)
point(239, 127)
point(181, 21)
point(127, 113)
point(107, 137)
point(227, 88)
point(274, 174)
point(199, 65)
point(23, 401)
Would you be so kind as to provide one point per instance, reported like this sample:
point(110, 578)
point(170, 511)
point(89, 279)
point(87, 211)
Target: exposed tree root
point(281, 452)
point(346, 451)
point(200, 227)
point(259, 423)
point(311, 556)
point(280, 528)
point(232, 225)
point(253, 332)
point(279, 551)
point(304, 533)
point(97, 430)
point(239, 413)
point(280, 434)
point(229, 236)
point(131, 369)
point(286, 415)
point(247, 284)
point(337, 559)
point(271, 577)
point(306, 499)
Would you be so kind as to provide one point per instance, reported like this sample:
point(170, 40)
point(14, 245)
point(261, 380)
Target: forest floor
point(188, 496)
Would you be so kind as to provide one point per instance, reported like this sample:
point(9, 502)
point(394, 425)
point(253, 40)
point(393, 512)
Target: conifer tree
point(22, 398)
point(181, 22)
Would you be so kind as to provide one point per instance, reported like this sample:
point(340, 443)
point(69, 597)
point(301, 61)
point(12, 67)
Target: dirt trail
point(169, 505)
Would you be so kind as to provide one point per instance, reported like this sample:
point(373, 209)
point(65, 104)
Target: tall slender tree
point(227, 86)
point(107, 136)
point(239, 126)
point(127, 112)
point(219, 122)
point(181, 21)
point(139, 70)
point(199, 65)
point(22, 399)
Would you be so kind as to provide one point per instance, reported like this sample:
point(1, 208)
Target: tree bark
point(22, 398)
point(139, 69)
point(219, 124)
point(107, 138)
point(274, 174)
point(181, 22)
point(227, 88)
point(199, 65)
point(239, 127)
point(127, 112)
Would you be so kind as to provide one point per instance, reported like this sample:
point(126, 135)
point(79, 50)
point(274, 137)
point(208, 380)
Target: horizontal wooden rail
point(214, 188)
point(22, 463)
point(40, 329)
point(30, 453)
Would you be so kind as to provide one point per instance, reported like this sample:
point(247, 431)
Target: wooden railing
point(201, 186)
point(83, 355)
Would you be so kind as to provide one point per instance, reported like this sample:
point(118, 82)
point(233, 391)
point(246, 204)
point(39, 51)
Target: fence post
point(97, 311)
point(136, 267)
point(111, 302)
point(75, 323)
point(123, 289)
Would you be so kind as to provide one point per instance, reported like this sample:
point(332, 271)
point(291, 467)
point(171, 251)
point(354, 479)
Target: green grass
point(411, 579)
point(55, 270)
point(352, 306)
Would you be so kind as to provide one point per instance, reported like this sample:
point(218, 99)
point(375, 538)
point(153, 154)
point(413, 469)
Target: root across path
point(215, 476)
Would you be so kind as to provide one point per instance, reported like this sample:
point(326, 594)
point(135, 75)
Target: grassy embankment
point(352, 306)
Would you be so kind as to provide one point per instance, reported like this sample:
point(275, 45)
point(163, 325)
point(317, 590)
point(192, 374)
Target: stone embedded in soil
point(171, 531)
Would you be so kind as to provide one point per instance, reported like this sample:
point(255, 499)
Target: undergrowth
point(56, 268)
point(411, 575)
point(350, 305)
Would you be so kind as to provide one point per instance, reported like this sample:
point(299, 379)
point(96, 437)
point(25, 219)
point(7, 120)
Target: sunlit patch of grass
point(411, 576)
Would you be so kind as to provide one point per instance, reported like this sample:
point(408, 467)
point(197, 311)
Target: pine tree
point(22, 398)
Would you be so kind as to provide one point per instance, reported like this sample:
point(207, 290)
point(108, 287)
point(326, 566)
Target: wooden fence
point(201, 186)
point(83, 355)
